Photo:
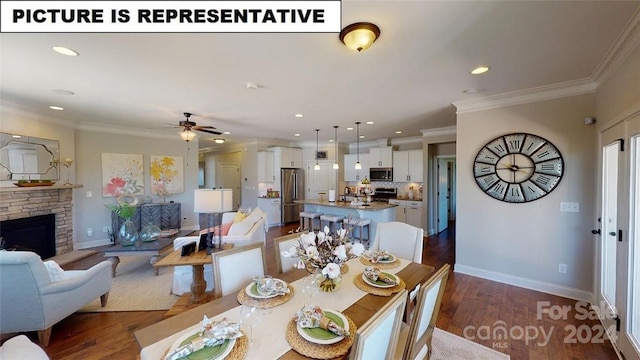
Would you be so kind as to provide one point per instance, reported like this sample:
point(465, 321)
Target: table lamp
point(213, 201)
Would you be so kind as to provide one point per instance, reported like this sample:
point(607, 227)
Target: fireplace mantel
point(34, 188)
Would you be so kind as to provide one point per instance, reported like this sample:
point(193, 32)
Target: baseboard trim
point(554, 289)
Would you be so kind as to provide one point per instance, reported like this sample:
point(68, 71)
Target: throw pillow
point(20, 347)
point(224, 229)
point(55, 271)
point(239, 217)
point(243, 227)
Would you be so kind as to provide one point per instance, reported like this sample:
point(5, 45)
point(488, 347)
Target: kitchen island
point(377, 212)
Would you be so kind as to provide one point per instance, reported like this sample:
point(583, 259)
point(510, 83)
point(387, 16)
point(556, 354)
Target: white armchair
point(32, 302)
point(250, 230)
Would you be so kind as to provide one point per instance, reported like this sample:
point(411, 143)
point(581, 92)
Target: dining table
point(356, 304)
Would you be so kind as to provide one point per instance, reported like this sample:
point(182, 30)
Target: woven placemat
point(266, 303)
point(390, 265)
point(319, 351)
point(238, 352)
point(360, 284)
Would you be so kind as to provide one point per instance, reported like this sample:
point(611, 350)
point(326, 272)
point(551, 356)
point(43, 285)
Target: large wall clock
point(518, 168)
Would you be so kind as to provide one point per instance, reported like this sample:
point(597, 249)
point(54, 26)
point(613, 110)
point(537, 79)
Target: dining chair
point(415, 339)
point(284, 243)
point(378, 337)
point(401, 239)
point(235, 268)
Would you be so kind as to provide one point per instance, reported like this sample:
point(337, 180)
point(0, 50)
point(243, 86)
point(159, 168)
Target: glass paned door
point(634, 238)
point(610, 159)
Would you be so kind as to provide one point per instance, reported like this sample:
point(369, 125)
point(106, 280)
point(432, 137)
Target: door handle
point(596, 232)
point(612, 233)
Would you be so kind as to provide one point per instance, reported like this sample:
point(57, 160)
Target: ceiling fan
point(187, 126)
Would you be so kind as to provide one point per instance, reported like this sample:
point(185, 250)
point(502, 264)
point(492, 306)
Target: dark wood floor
point(477, 305)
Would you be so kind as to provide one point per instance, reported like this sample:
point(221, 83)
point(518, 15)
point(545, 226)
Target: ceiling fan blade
point(203, 127)
point(208, 131)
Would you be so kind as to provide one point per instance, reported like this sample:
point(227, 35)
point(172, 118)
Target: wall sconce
point(359, 36)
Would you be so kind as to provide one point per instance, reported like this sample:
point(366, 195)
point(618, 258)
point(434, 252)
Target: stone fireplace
point(19, 203)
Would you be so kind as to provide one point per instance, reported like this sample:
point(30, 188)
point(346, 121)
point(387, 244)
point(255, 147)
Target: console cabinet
point(165, 216)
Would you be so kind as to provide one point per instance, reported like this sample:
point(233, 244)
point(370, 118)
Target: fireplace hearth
point(35, 233)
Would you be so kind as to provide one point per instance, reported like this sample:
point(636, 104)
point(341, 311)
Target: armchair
point(32, 302)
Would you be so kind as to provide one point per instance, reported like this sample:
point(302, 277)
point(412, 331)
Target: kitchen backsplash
point(403, 188)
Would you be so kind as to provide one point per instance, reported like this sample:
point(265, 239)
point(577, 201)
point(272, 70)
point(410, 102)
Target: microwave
point(381, 174)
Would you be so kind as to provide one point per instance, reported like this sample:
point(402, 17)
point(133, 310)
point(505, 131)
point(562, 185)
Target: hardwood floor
point(472, 306)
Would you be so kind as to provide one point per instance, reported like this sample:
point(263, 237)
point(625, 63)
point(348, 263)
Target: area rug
point(136, 288)
point(447, 346)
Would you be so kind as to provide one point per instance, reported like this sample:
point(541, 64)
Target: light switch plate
point(570, 207)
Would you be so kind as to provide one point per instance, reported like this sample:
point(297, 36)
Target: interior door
point(230, 179)
point(443, 194)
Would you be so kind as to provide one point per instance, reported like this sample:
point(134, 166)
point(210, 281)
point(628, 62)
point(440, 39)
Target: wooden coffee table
point(156, 249)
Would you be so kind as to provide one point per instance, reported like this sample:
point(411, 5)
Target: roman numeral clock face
point(518, 168)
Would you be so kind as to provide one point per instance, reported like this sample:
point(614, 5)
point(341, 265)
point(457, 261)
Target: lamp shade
point(208, 201)
point(187, 135)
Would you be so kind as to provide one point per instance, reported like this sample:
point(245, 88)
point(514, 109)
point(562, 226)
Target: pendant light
point(358, 165)
point(335, 156)
point(317, 166)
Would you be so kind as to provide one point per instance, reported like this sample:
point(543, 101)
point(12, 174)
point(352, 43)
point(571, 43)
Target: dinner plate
point(322, 336)
point(252, 289)
point(391, 259)
point(380, 283)
point(208, 353)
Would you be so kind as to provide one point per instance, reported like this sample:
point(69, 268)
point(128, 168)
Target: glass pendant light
point(317, 166)
point(335, 156)
point(358, 165)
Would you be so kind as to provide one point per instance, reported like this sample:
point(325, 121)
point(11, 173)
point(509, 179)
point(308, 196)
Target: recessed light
point(296, 134)
point(251, 86)
point(65, 51)
point(227, 132)
point(63, 92)
point(298, 115)
point(398, 132)
point(350, 128)
point(361, 136)
point(330, 140)
point(218, 140)
point(470, 91)
point(16, 136)
point(480, 70)
point(369, 122)
point(58, 108)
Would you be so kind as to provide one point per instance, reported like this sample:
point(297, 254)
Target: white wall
point(523, 243)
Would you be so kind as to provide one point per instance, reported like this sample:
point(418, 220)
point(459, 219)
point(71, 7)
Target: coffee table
point(156, 249)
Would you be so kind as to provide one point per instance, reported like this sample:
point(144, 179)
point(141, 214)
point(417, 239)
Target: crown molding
point(448, 130)
point(541, 93)
point(620, 50)
point(124, 130)
point(15, 109)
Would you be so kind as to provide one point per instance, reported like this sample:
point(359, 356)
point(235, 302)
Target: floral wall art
point(122, 174)
point(167, 175)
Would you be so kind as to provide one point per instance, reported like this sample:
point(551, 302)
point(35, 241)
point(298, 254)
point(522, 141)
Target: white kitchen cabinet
point(271, 206)
point(287, 157)
point(266, 167)
point(350, 173)
point(408, 211)
point(407, 166)
point(381, 157)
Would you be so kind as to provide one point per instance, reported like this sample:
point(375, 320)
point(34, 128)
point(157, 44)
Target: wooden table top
point(359, 312)
point(175, 259)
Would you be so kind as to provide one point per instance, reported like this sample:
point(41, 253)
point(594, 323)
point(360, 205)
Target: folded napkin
point(211, 333)
point(378, 256)
point(279, 287)
point(374, 274)
point(311, 316)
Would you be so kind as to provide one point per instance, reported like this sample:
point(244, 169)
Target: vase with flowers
point(127, 235)
point(325, 255)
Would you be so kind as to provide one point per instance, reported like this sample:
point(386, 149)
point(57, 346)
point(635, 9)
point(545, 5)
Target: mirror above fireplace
point(28, 158)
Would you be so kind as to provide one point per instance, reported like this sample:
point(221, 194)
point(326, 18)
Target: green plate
point(208, 353)
point(379, 283)
point(322, 336)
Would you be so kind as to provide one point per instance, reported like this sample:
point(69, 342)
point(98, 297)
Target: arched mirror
point(28, 158)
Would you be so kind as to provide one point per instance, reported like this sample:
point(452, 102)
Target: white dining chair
point(378, 337)
point(400, 239)
point(284, 243)
point(235, 268)
point(415, 339)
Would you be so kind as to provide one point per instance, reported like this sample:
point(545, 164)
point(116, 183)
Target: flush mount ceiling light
point(218, 141)
point(335, 154)
point(370, 122)
point(358, 165)
point(65, 51)
point(58, 108)
point(480, 70)
point(298, 115)
point(359, 36)
point(317, 166)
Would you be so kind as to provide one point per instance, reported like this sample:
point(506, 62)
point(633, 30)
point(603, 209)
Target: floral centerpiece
point(324, 254)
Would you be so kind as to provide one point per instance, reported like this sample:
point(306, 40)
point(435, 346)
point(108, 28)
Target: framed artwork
point(321, 155)
point(122, 174)
point(167, 175)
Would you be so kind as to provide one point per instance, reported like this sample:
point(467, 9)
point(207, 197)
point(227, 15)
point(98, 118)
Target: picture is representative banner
point(171, 16)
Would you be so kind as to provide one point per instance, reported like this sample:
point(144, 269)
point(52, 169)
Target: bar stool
point(361, 224)
point(308, 218)
point(333, 221)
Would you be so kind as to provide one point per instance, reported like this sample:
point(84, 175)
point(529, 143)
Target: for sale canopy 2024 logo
point(500, 334)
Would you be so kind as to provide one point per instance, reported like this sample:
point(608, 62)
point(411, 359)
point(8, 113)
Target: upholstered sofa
point(31, 301)
point(251, 229)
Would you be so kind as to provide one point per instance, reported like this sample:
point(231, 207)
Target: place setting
point(380, 259)
point(377, 282)
point(268, 291)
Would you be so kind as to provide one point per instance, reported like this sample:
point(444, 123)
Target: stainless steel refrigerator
point(292, 189)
